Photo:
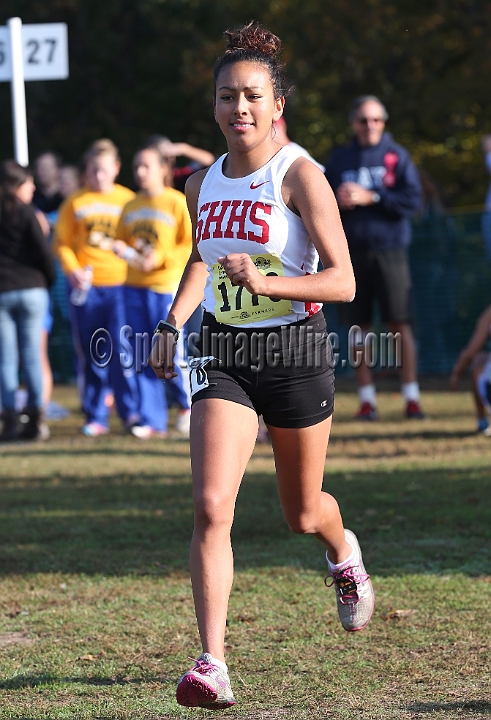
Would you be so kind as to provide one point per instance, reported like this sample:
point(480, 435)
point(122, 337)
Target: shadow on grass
point(417, 435)
point(436, 521)
point(469, 706)
point(30, 681)
point(33, 450)
point(131, 446)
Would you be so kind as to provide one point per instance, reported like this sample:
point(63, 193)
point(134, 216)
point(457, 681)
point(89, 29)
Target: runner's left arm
point(306, 192)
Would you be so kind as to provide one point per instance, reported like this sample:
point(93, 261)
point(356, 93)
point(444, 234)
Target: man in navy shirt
point(378, 189)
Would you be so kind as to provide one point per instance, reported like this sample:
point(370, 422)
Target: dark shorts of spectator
point(382, 276)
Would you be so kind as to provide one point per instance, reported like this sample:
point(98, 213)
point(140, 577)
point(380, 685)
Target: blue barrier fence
point(452, 285)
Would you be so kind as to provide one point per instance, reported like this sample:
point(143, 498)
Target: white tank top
point(248, 215)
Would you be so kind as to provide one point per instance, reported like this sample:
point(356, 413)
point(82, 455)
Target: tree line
point(145, 66)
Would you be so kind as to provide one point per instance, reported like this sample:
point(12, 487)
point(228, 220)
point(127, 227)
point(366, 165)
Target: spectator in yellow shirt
point(157, 227)
point(84, 234)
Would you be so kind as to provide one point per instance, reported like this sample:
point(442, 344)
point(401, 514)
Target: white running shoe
point(183, 422)
point(94, 429)
point(354, 591)
point(145, 432)
point(142, 432)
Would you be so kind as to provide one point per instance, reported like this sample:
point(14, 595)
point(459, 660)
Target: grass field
point(96, 614)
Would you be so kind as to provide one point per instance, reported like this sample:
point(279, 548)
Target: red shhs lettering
point(199, 224)
point(238, 219)
point(264, 236)
point(241, 211)
point(216, 219)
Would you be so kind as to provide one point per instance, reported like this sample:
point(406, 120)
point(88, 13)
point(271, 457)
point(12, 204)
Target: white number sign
point(44, 52)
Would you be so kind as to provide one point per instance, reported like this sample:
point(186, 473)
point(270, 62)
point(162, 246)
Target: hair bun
point(253, 37)
point(254, 43)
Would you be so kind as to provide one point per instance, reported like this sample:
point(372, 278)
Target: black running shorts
point(384, 276)
point(285, 374)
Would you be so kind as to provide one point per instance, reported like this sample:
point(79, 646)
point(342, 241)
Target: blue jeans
point(21, 320)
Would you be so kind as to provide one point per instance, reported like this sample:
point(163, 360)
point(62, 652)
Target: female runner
point(262, 216)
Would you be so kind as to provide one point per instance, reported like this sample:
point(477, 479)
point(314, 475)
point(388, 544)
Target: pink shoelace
point(346, 581)
point(206, 668)
point(203, 666)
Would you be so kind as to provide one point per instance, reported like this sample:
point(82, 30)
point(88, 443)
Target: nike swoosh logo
point(253, 187)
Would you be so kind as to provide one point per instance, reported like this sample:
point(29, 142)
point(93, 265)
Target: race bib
point(235, 305)
point(198, 377)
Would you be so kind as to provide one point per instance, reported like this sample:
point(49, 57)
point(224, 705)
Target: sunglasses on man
point(366, 121)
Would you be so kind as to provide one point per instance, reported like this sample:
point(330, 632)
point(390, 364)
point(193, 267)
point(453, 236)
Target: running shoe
point(94, 429)
point(183, 422)
point(413, 410)
point(206, 685)
point(354, 591)
point(367, 412)
point(145, 432)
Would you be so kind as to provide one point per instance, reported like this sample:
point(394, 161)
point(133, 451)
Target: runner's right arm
point(189, 294)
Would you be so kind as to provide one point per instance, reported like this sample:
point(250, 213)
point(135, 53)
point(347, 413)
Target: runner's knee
point(214, 511)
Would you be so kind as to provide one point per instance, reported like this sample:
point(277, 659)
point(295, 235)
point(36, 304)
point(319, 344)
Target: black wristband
point(163, 325)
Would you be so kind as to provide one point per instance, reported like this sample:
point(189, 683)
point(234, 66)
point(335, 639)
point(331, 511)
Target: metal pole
point(19, 119)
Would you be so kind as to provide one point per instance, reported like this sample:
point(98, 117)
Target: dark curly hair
point(254, 43)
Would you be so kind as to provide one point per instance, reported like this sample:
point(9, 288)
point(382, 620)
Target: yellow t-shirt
point(87, 213)
point(162, 222)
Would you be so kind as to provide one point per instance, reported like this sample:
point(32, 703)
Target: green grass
point(96, 613)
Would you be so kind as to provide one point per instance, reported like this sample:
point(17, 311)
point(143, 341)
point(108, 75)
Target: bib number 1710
point(226, 307)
